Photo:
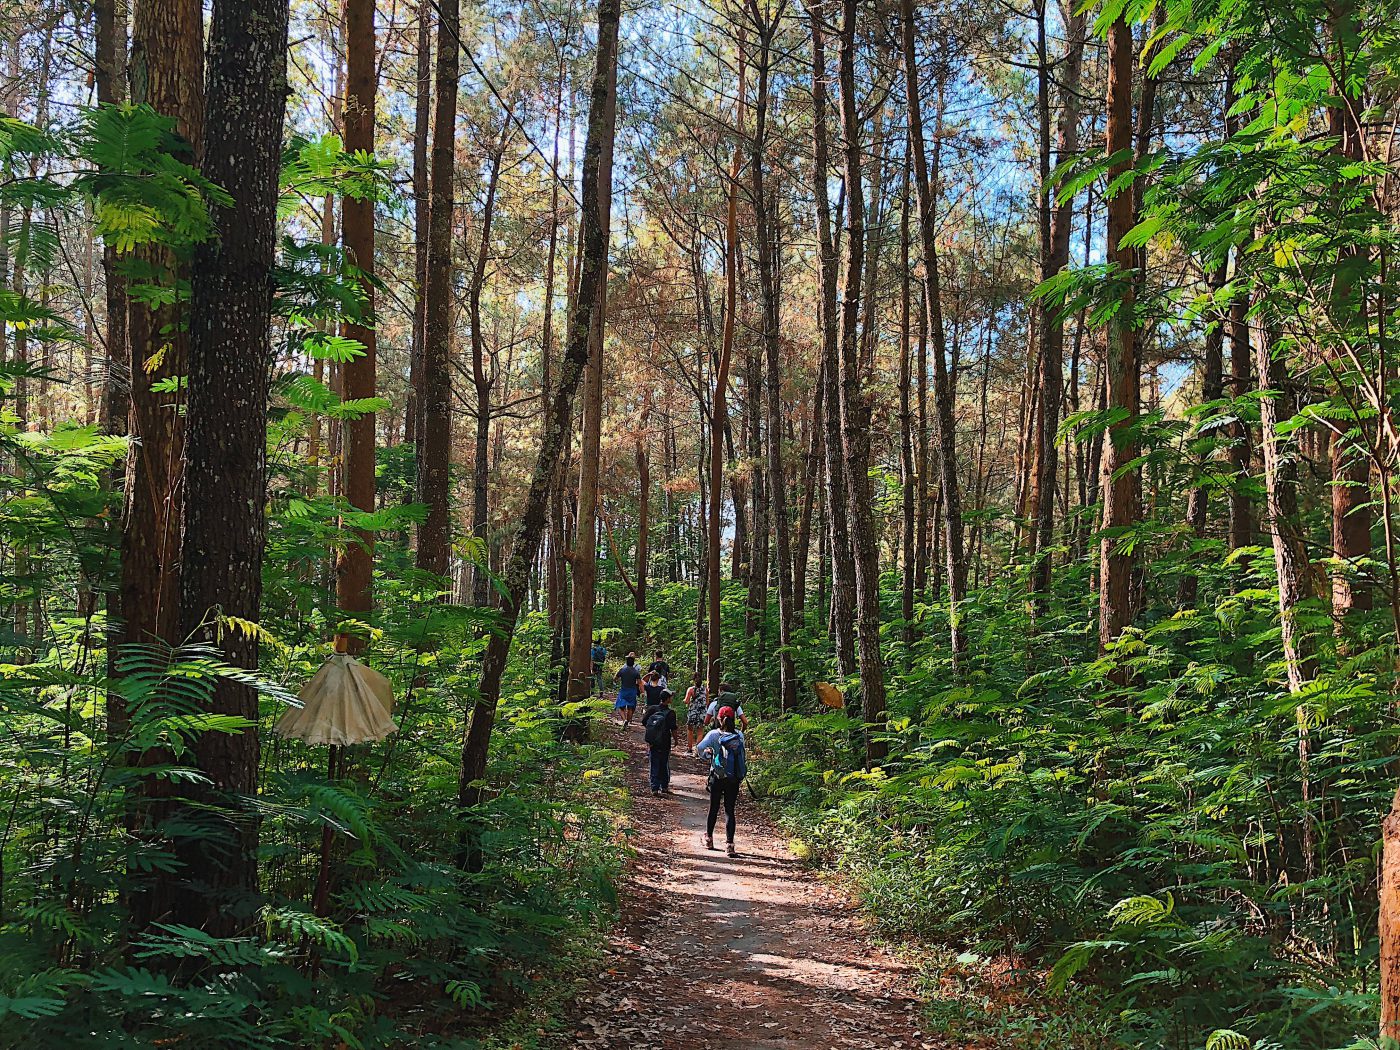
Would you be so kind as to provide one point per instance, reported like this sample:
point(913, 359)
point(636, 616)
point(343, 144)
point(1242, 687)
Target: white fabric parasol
point(344, 703)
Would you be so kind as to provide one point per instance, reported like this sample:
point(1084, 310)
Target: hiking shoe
point(729, 848)
point(709, 842)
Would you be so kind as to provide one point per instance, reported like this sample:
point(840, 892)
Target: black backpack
point(656, 726)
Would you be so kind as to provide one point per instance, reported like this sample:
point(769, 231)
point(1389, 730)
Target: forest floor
point(755, 952)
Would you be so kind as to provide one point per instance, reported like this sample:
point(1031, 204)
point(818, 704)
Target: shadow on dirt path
point(750, 953)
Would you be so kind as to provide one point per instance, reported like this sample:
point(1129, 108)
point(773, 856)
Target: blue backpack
point(724, 758)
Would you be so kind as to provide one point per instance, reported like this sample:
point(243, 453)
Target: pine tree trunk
point(596, 197)
point(1120, 505)
point(584, 560)
point(435, 417)
point(355, 568)
point(910, 482)
point(483, 379)
point(768, 266)
point(1281, 508)
point(943, 393)
point(115, 406)
point(842, 608)
point(924, 494)
point(229, 371)
point(1212, 386)
point(1389, 924)
point(756, 609)
point(643, 458)
point(811, 470)
point(854, 406)
point(1350, 463)
point(1056, 226)
point(110, 72)
point(422, 120)
point(167, 73)
point(719, 412)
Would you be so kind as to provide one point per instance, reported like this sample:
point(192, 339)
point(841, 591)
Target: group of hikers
point(712, 727)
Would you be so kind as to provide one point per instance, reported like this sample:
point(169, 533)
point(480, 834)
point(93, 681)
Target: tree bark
point(167, 73)
point(756, 606)
point(855, 408)
point(1055, 226)
point(355, 568)
point(1350, 464)
point(435, 429)
point(719, 409)
point(811, 468)
point(910, 481)
point(1389, 924)
point(115, 406)
point(643, 458)
point(943, 393)
point(596, 196)
point(923, 496)
point(1120, 503)
point(842, 610)
point(1212, 387)
point(483, 377)
point(422, 120)
point(1241, 453)
point(768, 264)
point(584, 557)
point(1281, 508)
point(230, 359)
point(111, 16)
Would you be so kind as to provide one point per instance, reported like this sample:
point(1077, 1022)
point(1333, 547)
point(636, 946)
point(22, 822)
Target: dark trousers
point(726, 790)
point(661, 766)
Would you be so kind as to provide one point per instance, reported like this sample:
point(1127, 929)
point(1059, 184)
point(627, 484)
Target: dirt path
point(751, 953)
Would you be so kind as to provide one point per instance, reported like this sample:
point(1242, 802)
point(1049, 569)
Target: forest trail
point(750, 953)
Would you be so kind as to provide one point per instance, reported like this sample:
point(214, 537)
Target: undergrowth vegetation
point(1161, 852)
point(410, 947)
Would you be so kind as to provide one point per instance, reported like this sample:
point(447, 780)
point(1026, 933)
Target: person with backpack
point(729, 765)
point(727, 698)
point(654, 685)
point(696, 704)
point(599, 655)
point(661, 667)
point(659, 722)
point(628, 678)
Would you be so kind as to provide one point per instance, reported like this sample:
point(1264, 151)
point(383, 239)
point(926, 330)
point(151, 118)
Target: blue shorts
point(626, 698)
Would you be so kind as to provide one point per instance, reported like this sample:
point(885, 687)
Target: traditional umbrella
point(344, 703)
point(829, 695)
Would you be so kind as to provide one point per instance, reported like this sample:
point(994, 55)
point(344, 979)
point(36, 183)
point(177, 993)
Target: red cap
point(726, 712)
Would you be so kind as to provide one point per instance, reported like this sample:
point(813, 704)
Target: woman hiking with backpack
point(696, 703)
point(729, 765)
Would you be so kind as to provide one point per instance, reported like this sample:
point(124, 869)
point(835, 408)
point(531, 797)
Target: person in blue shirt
point(599, 655)
point(725, 749)
point(629, 679)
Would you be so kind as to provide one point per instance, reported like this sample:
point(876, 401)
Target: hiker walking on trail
point(599, 655)
point(628, 678)
point(654, 685)
point(695, 704)
point(661, 668)
point(661, 727)
point(729, 764)
point(727, 698)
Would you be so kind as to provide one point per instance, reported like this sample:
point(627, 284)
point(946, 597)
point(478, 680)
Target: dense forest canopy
point(999, 398)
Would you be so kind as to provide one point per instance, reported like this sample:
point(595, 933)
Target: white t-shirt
point(713, 710)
